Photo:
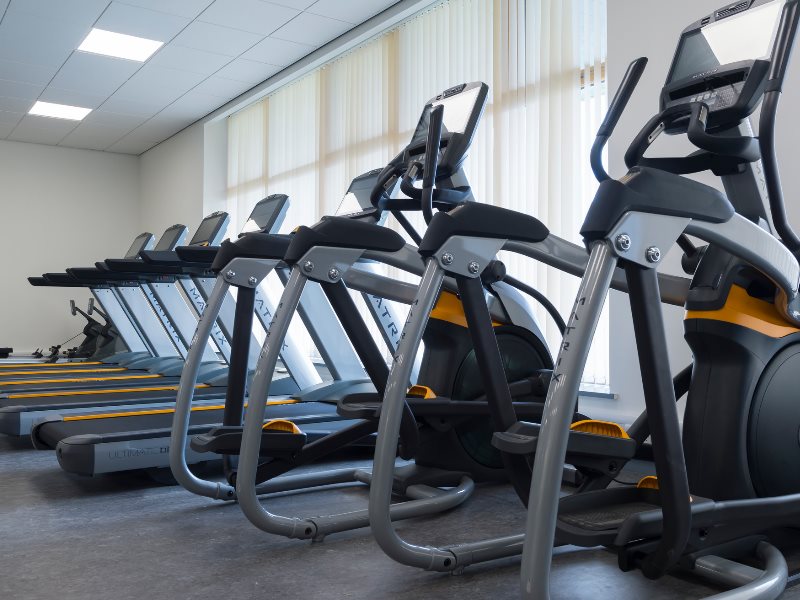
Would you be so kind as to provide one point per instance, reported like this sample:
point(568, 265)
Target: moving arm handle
point(615, 110)
point(743, 147)
point(431, 160)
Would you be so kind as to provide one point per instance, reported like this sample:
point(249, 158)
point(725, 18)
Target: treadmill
point(19, 411)
point(168, 338)
point(133, 347)
point(132, 440)
point(129, 335)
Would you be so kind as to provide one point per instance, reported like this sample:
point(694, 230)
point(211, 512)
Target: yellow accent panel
point(283, 425)
point(744, 310)
point(648, 483)
point(162, 411)
point(449, 308)
point(37, 365)
point(60, 372)
point(80, 379)
point(606, 428)
point(421, 391)
point(164, 388)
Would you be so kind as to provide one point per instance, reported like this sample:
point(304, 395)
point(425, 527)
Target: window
point(545, 64)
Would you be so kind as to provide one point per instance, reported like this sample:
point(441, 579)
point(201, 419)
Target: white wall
point(651, 28)
point(172, 182)
point(60, 208)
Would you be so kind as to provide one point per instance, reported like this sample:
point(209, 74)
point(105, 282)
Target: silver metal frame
point(455, 256)
point(423, 500)
point(737, 236)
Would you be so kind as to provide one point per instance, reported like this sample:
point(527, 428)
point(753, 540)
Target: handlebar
point(741, 147)
point(431, 160)
point(615, 110)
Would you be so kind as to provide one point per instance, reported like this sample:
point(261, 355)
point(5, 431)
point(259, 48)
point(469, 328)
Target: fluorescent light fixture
point(59, 111)
point(119, 45)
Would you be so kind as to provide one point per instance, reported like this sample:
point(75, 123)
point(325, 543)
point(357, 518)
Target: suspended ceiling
point(214, 50)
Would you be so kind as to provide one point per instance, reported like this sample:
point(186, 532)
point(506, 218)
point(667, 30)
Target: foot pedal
point(278, 438)
point(359, 406)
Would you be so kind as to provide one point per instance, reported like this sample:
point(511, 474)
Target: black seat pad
point(481, 220)
point(649, 190)
point(341, 232)
point(251, 245)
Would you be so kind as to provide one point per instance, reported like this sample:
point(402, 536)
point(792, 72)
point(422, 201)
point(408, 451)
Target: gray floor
point(64, 537)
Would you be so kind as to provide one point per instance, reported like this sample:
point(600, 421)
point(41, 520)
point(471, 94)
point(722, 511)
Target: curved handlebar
point(431, 160)
point(615, 110)
point(742, 147)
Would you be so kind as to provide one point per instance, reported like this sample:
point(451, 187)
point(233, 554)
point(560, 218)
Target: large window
point(545, 64)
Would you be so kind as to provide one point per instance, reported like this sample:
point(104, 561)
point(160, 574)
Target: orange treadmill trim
point(165, 411)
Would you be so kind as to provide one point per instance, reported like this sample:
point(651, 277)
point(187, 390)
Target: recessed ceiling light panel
point(119, 45)
point(59, 111)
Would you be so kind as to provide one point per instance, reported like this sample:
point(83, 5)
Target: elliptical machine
point(656, 524)
point(439, 431)
point(728, 486)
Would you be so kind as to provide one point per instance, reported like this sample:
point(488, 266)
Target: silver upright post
point(562, 397)
point(256, 408)
point(183, 402)
point(380, 493)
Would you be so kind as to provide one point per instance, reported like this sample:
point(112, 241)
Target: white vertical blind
point(544, 61)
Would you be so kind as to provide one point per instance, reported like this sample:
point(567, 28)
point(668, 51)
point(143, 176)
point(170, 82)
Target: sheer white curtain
point(544, 61)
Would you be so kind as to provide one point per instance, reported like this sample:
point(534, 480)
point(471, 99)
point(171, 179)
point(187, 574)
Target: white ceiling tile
point(149, 134)
point(17, 71)
point(163, 126)
point(248, 15)
point(42, 130)
point(311, 29)
point(7, 117)
point(71, 97)
point(183, 8)
point(278, 52)
point(133, 20)
point(189, 59)
point(248, 71)
point(222, 87)
point(93, 137)
point(15, 104)
point(134, 144)
point(130, 107)
point(17, 89)
point(6, 128)
point(83, 12)
point(104, 118)
point(35, 40)
point(298, 4)
point(352, 11)
point(94, 74)
point(157, 85)
point(193, 105)
point(217, 39)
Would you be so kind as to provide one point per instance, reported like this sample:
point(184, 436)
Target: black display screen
point(208, 230)
point(171, 238)
point(457, 111)
point(742, 37)
point(140, 243)
point(264, 214)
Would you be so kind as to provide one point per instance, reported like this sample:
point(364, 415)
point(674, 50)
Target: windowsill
point(592, 390)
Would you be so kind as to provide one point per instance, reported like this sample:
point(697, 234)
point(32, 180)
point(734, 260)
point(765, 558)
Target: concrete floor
point(65, 537)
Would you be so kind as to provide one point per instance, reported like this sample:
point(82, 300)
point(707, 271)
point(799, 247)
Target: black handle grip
point(784, 44)
point(742, 147)
point(431, 160)
point(623, 96)
point(615, 110)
